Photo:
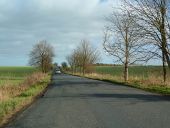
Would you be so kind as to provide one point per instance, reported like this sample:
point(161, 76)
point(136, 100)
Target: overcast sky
point(63, 23)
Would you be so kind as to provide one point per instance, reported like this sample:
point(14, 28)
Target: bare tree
point(83, 56)
point(74, 60)
point(70, 60)
point(42, 56)
point(87, 55)
point(123, 41)
point(155, 21)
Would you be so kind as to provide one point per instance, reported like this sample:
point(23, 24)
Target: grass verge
point(160, 89)
point(13, 105)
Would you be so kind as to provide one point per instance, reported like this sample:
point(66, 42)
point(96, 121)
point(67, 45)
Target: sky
point(63, 23)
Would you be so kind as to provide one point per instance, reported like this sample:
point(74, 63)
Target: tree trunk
point(80, 70)
point(83, 70)
point(73, 69)
point(42, 64)
point(164, 35)
point(167, 59)
point(126, 72)
point(164, 67)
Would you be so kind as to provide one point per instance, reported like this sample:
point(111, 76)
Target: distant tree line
point(103, 64)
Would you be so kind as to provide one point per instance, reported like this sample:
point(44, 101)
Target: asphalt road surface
point(74, 102)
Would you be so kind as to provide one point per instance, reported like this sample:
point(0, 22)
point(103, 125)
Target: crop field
point(134, 71)
point(145, 75)
point(14, 75)
point(16, 71)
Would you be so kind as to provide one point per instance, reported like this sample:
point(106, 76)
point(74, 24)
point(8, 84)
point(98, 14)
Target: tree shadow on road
point(144, 97)
point(139, 97)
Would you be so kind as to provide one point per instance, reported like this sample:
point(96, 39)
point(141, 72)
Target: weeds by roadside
point(14, 98)
point(152, 84)
point(8, 91)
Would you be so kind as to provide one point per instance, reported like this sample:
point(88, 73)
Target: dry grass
point(8, 90)
point(14, 98)
point(152, 80)
point(153, 83)
point(148, 75)
point(19, 86)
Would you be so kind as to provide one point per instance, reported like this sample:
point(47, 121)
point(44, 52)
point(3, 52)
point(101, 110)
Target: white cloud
point(63, 23)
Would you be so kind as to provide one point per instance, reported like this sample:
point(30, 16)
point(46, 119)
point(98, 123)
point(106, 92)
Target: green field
point(16, 71)
point(14, 75)
point(134, 71)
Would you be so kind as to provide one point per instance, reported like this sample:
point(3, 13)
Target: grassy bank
point(144, 77)
point(14, 96)
point(161, 89)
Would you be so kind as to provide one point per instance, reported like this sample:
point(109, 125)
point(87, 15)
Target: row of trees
point(137, 32)
point(142, 31)
point(82, 57)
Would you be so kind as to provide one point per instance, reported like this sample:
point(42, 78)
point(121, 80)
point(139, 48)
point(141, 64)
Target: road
point(74, 102)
